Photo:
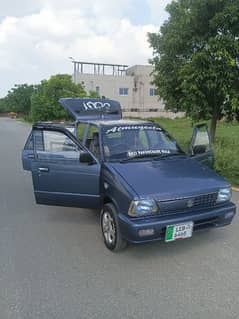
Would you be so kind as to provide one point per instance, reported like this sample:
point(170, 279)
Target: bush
point(18, 98)
point(226, 158)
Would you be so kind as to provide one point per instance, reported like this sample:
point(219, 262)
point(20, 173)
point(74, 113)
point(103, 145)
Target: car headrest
point(95, 138)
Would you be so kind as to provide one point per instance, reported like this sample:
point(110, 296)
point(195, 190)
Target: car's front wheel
point(110, 229)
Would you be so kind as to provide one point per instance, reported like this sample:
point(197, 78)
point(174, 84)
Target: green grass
point(226, 146)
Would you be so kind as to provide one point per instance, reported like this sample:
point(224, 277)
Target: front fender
point(116, 190)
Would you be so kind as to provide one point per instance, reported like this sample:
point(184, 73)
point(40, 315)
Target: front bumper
point(215, 217)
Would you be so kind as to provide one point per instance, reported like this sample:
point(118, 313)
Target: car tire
point(110, 229)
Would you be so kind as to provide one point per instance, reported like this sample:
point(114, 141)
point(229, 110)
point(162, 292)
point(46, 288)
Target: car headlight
point(224, 195)
point(143, 207)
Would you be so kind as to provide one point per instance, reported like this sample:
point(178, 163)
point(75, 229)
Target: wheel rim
point(108, 228)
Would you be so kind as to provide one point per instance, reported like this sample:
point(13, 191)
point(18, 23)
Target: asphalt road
point(53, 263)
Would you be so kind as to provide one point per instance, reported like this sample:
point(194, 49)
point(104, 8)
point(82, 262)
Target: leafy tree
point(45, 105)
point(94, 94)
point(3, 105)
point(18, 98)
point(196, 61)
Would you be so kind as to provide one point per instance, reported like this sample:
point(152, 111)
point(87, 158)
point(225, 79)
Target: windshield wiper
point(137, 156)
point(154, 156)
point(162, 156)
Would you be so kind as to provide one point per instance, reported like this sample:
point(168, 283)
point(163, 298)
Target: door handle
point(43, 169)
point(30, 156)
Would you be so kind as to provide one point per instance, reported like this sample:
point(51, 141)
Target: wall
point(138, 102)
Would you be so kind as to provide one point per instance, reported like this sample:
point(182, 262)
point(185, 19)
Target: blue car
point(134, 172)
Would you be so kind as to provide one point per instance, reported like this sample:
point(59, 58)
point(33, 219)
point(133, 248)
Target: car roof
point(63, 123)
point(53, 125)
point(116, 122)
point(98, 123)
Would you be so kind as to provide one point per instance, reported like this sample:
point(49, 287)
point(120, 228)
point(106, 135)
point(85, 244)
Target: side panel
point(61, 184)
point(116, 189)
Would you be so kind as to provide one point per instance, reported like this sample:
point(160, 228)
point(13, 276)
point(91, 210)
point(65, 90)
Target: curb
point(235, 189)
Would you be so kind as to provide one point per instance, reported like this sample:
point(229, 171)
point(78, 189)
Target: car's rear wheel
point(110, 229)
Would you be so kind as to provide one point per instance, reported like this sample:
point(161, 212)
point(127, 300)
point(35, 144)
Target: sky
point(37, 37)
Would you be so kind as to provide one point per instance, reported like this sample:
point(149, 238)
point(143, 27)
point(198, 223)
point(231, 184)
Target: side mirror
point(199, 149)
point(85, 157)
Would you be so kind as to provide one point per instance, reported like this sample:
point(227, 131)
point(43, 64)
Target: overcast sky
point(37, 37)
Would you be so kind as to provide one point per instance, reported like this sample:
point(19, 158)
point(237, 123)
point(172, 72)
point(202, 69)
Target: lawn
point(226, 146)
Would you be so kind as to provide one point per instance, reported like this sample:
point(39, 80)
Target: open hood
point(92, 109)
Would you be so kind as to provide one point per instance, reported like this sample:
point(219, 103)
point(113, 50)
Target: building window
point(123, 91)
point(152, 92)
point(97, 90)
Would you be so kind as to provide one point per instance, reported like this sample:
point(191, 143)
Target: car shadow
point(87, 217)
point(79, 216)
point(199, 240)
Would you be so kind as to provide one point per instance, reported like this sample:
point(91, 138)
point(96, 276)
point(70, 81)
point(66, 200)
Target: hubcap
point(108, 228)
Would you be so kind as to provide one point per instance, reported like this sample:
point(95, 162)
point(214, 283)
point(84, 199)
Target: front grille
point(188, 204)
point(207, 200)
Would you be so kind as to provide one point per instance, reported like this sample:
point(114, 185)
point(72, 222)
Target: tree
point(94, 94)
point(195, 58)
point(3, 105)
point(18, 98)
point(45, 105)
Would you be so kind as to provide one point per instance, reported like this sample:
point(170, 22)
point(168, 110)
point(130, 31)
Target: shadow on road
point(73, 215)
point(199, 239)
point(85, 219)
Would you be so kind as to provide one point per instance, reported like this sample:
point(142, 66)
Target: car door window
point(54, 145)
point(57, 142)
point(202, 138)
point(29, 143)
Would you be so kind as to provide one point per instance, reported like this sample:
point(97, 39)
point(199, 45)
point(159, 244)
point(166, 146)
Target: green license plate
point(179, 231)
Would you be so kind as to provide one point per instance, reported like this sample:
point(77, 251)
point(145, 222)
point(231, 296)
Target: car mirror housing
point(199, 149)
point(201, 140)
point(86, 157)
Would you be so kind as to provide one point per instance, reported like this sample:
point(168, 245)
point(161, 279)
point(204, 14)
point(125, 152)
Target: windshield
point(137, 141)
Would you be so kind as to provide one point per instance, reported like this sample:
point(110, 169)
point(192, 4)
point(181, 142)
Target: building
point(131, 86)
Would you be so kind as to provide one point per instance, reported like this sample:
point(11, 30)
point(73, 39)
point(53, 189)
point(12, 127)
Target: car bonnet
point(169, 178)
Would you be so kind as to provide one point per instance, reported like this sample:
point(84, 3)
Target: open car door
point(201, 147)
point(64, 173)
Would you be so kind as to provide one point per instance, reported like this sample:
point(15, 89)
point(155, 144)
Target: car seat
point(94, 144)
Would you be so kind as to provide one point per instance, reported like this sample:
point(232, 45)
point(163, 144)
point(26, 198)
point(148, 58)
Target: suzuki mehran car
point(134, 172)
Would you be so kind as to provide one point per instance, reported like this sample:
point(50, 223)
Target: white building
point(131, 86)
